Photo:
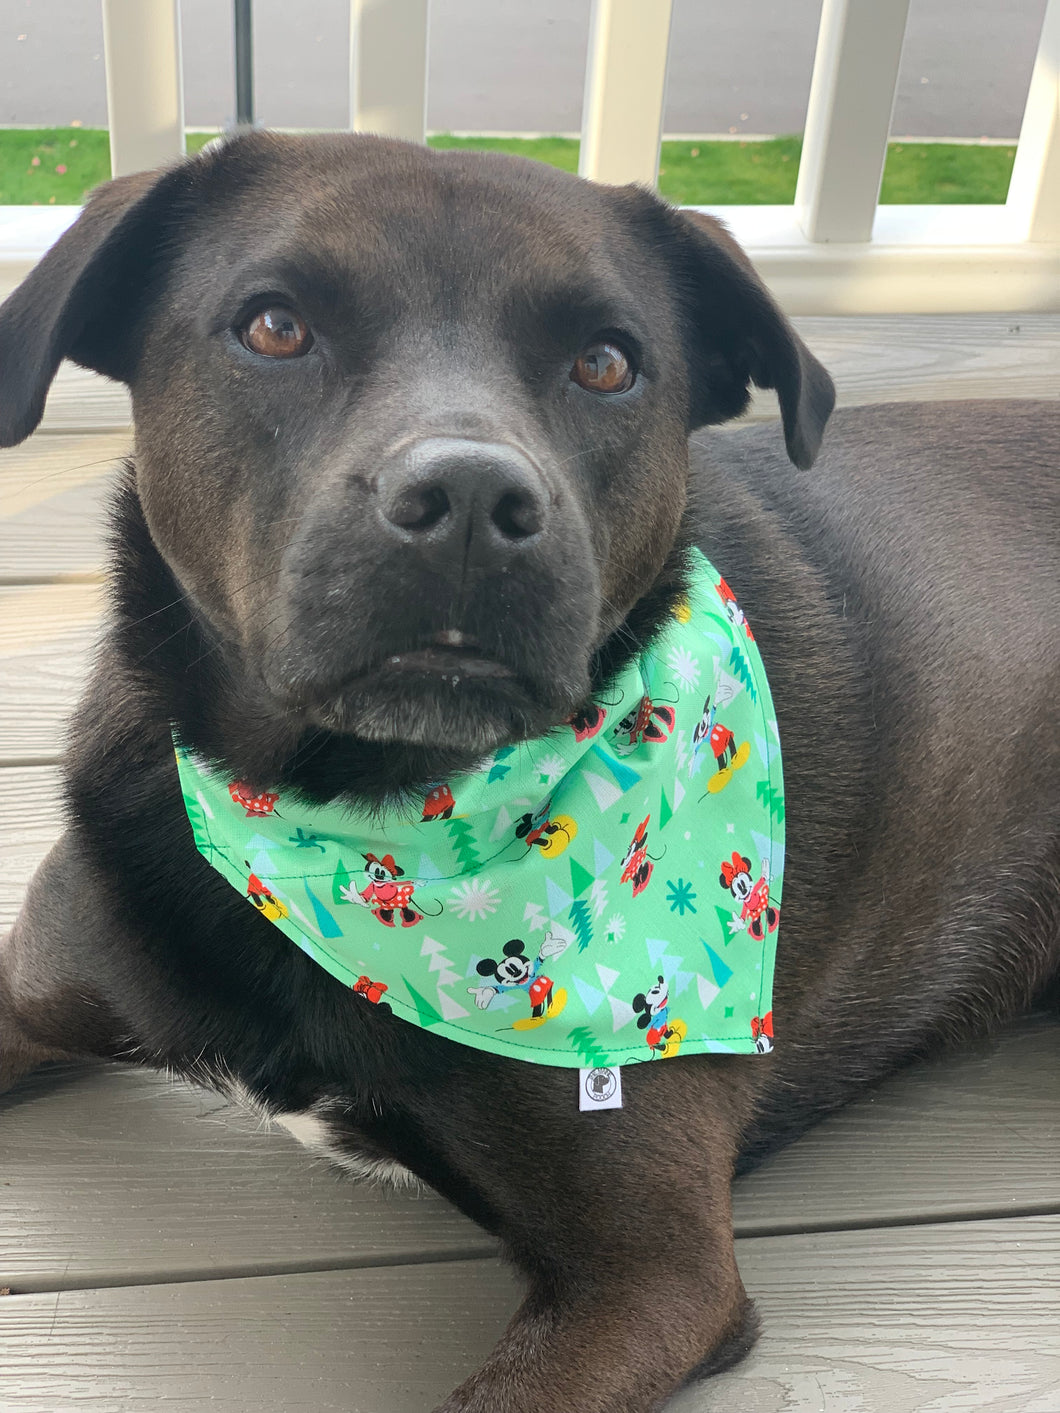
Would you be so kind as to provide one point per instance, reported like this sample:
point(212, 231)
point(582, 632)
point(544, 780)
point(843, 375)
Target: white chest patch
point(314, 1133)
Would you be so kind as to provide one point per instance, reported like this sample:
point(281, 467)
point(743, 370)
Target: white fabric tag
point(600, 1087)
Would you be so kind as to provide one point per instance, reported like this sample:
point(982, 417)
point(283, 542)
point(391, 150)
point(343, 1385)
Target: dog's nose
point(451, 494)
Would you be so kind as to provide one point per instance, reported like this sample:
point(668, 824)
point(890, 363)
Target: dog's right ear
point(81, 299)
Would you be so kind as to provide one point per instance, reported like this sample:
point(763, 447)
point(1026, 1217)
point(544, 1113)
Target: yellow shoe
point(559, 1000)
point(678, 1031)
point(529, 1022)
point(566, 830)
point(718, 782)
point(742, 756)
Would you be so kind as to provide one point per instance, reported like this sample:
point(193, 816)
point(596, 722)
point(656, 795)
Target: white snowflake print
point(616, 927)
point(598, 897)
point(475, 899)
point(551, 769)
point(685, 668)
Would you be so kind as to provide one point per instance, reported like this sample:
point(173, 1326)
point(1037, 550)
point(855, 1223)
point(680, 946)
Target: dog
point(420, 456)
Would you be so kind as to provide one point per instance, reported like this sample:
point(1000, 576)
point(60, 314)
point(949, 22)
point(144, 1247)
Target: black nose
point(452, 496)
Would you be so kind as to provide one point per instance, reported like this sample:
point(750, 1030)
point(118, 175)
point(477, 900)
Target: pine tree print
point(427, 1014)
point(499, 771)
point(327, 924)
point(583, 1044)
point(767, 795)
point(742, 668)
point(461, 836)
point(582, 922)
point(340, 879)
point(197, 819)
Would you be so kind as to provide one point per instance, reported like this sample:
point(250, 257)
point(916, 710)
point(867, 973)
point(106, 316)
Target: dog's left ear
point(736, 334)
point(80, 301)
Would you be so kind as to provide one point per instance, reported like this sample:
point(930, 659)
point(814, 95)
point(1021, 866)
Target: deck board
point(47, 633)
point(31, 819)
point(89, 1157)
point(53, 493)
point(962, 1318)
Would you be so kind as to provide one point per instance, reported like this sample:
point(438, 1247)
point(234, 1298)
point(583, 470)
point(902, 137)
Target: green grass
point(700, 174)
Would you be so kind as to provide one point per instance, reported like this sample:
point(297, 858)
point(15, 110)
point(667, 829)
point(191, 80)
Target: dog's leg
point(614, 1347)
point(623, 1225)
point(50, 1005)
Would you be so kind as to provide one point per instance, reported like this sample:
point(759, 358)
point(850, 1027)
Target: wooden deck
point(163, 1249)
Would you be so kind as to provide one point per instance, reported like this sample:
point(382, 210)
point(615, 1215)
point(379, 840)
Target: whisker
point(67, 470)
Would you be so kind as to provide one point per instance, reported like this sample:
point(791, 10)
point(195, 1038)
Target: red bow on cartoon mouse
point(729, 870)
point(373, 990)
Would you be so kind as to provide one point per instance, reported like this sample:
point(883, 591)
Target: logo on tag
point(600, 1088)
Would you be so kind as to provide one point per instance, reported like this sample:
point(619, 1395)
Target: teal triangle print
point(717, 966)
point(592, 999)
point(558, 901)
point(656, 948)
point(580, 877)
point(625, 775)
point(602, 858)
point(426, 1012)
point(327, 924)
point(682, 981)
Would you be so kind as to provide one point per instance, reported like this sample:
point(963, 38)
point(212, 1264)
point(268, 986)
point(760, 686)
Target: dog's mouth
point(452, 657)
point(448, 691)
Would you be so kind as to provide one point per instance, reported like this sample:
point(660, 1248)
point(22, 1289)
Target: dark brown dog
point(384, 397)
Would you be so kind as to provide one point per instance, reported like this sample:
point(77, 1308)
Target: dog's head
point(411, 427)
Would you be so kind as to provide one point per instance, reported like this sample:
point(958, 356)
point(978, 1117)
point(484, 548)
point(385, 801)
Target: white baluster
point(145, 89)
point(855, 74)
point(625, 90)
point(388, 67)
point(1034, 192)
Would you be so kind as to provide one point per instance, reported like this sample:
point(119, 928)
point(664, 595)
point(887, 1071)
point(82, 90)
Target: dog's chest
point(321, 1137)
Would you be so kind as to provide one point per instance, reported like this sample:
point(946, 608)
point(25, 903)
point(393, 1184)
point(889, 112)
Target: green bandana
point(607, 893)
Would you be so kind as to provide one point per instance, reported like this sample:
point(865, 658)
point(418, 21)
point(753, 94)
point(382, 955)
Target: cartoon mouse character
point(535, 827)
point(439, 804)
point(756, 912)
point(664, 1035)
point(372, 991)
point(732, 608)
point(647, 722)
point(516, 972)
point(551, 836)
point(586, 723)
point(257, 805)
point(265, 901)
point(637, 867)
point(762, 1033)
point(729, 757)
point(384, 895)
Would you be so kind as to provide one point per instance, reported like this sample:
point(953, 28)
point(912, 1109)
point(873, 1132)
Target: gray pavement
point(507, 65)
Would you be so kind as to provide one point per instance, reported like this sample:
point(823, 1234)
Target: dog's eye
point(603, 368)
point(277, 333)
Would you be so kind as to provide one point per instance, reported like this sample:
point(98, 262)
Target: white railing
point(836, 250)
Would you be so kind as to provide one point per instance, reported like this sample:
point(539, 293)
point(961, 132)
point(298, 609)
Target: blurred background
point(504, 69)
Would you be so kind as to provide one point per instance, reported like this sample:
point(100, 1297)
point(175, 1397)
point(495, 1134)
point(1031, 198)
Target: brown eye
point(277, 333)
point(603, 368)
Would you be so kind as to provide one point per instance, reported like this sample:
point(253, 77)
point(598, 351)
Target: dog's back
point(930, 535)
